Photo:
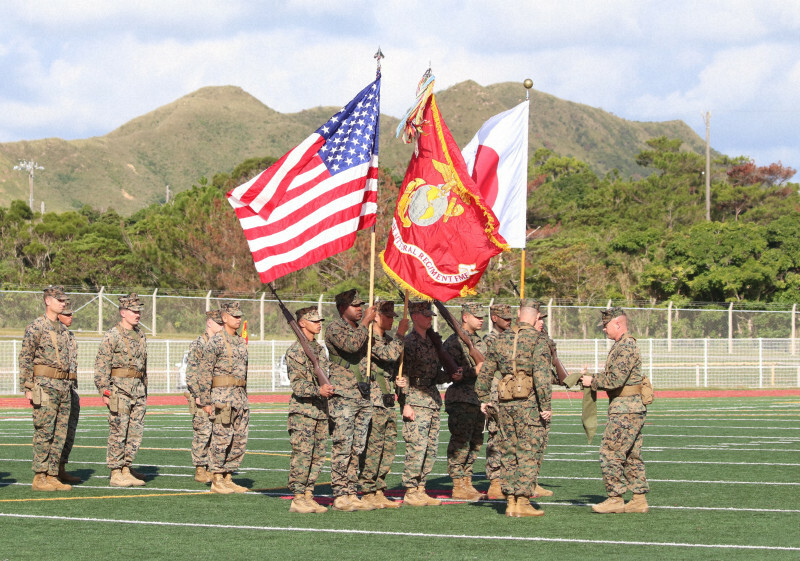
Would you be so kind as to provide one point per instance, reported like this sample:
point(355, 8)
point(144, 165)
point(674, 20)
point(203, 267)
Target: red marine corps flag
point(442, 234)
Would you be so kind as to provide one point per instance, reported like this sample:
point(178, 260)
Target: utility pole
point(29, 166)
point(707, 120)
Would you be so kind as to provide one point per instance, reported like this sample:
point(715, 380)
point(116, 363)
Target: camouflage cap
point(501, 311)
point(215, 316)
point(475, 308)
point(531, 303)
point(421, 307)
point(386, 308)
point(67, 311)
point(310, 313)
point(131, 302)
point(609, 314)
point(56, 292)
point(348, 298)
point(231, 308)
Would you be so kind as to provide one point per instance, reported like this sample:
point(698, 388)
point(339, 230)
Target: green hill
point(215, 128)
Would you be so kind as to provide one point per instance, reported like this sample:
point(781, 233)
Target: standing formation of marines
point(369, 370)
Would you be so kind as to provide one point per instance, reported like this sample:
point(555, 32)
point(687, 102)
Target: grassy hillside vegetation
point(591, 238)
point(215, 128)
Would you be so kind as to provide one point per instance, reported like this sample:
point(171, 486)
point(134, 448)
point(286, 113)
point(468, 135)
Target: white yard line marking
point(402, 534)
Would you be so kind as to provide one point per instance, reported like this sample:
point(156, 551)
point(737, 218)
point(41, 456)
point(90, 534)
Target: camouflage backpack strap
point(514, 350)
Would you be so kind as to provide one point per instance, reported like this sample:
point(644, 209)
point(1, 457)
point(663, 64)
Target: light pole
point(29, 166)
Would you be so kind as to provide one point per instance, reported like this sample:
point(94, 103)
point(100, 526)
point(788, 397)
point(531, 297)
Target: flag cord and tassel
point(403, 352)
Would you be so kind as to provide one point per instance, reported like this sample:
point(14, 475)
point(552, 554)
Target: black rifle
point(474, 353)
point(322, 378)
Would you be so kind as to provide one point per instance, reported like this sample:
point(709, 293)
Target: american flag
point(310, 203)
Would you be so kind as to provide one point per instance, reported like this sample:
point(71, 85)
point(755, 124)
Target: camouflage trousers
point(494, 450)
point(621, 454)
point(523, 448)
point(377, 458)
point(465, 422)
point(125, 430)
point(72, 425)
point(349, 420)
point(422, 443)
point(228, 442)
point(202, 429)
point(50, 423)
point(308, 438)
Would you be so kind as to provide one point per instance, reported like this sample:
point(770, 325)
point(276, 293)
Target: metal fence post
point(669, 326)
point(596, 355)
point(272, 363)
point(705, 362)
point(263, 294)
point(550, 317)
point(730, 329)
point(208, 301)
point(155, 300)
point(650, 351)
point(15, 368)
point(168, 380)
point(794, 329)
point(760, 363)
point(100, 310)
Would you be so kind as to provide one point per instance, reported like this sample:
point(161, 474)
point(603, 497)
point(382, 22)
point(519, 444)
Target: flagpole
point(528, 83)
point(378, 56)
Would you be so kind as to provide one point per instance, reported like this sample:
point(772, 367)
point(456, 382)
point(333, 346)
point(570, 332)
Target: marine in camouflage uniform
point(421, 403)
point(308, 414)
point(378, 456)
point(222, 383)
point(202, 426)
point(523, 419)
point(501, 317)
point(621, 449)
point(65, 317)
point(350, 411)
point(464, 417)
point(44, 374)
point(120, 375)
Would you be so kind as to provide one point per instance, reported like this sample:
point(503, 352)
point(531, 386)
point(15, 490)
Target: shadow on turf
point(4, 481)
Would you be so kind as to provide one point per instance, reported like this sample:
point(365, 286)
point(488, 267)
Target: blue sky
point(81, 68)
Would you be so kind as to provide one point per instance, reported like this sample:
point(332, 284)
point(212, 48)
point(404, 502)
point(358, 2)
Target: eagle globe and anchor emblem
point(424, 204)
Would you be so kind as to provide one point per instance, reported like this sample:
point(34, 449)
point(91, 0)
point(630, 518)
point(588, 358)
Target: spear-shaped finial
point(378, 56)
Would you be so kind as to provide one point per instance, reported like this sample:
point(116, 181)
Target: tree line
point(591, 238)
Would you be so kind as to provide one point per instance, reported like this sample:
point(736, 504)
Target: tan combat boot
point(134, 481)
point(301, 505)
point(57, 485)
point(612, 505)
point(386, 502)
point(318, 508)
point(342, 503)
point(236, 488)
point(542, 492)
point(524, 508)
point(637, 504)
point(429, 501)
point(372, 499)
point(495, 492)
point(413, 498)
point(478, 496)
point(459, 492)
point(218, 484)
point(67, 477)
point(511, 506)
point(202, 475)
point(359, 504)
point(119, 480)
point(40, 483)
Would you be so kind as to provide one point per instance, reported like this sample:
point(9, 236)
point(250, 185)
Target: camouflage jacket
point(121, 348)
point(347, 345)
point(306, 399)
point(623, 368)
point(193, 361)
point(424, 371)
point(490, 337)
point(463, 391)
point(386, 351)
point(38, 349)
point(223, 355)
point(533, 356)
